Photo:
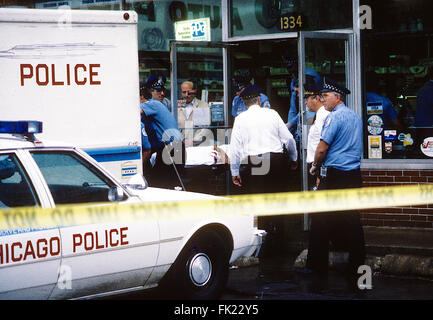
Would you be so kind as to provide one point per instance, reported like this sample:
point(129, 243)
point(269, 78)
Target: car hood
point(157, 195)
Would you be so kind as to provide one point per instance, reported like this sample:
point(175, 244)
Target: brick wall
point(411, 216)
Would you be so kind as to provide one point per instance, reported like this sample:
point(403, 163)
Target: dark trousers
point(267, 173)
point(342, 228)
point(277, 179)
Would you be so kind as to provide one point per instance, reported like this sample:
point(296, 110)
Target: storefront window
point(398, 66)
point(254, 17)
point(261, 63)
point(157, 26)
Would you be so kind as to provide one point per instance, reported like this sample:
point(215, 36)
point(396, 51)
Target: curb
point(245, 262)
point(394, 264)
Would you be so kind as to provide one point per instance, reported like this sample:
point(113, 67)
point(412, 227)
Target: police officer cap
point(250, 92)
point(288, 60)
point(242, 80)
point(239, 83)
point(330, 85)
point(311, 88)
point(156, 83)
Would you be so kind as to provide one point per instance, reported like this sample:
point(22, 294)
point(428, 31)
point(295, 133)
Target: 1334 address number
point(290, 23)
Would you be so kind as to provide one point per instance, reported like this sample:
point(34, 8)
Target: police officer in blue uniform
point(156, 86)
point(293, 119)
point(339, 153)
point(165, 139)
point(146, 149)
point(240, 82)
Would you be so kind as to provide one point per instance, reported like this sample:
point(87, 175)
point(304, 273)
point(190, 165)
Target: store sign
point(374, 108)
point(427, 147)
point(193, 30)
point(217, 111)
point(375, 147)
point(390, 135)
point(375, 125)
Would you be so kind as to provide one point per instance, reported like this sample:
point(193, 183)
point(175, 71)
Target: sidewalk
point(400, 251)
point(395, 251)
point(383, 241)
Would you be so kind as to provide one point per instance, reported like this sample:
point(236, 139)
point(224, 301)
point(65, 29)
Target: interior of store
point(397, 60)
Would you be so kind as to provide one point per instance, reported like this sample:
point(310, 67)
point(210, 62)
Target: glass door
point(330, 55)
point(199, 86)
point(197, 90)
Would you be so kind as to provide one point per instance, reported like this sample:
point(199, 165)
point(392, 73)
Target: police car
point(191, 256)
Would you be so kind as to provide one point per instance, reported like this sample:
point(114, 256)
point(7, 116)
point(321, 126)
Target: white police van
point(77, 71)
point(192, 255)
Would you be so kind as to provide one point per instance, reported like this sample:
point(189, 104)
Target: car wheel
point(201, 270)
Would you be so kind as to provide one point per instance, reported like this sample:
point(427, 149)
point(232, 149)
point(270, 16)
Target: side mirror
point(136, 182)
point(115, 194)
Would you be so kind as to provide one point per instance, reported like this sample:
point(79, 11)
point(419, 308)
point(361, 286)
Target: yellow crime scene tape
point(255, 204)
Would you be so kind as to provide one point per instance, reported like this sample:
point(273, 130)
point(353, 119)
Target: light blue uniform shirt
point(238, 104)
point(160, 124)
point(293, 116)
point(342, 130)
point(145, 144)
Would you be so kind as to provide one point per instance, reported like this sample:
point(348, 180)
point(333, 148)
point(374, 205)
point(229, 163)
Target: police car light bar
point(20, 127)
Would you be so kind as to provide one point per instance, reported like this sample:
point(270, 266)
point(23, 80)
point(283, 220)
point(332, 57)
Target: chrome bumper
point(258, 240)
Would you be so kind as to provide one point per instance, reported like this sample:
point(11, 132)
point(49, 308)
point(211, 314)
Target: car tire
point(201, 270)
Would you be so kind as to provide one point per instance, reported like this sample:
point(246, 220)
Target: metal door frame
point(353, 83)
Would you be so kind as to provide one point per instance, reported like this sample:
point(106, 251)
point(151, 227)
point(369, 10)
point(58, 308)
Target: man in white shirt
point(257, 142)
point(185, 117)
point(314, 104)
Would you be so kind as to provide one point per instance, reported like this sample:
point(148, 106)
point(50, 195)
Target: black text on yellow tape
point(257, 205)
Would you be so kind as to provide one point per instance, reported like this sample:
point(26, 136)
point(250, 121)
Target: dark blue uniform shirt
point(424, 106)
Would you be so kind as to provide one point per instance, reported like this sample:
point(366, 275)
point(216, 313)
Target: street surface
point(274, 278)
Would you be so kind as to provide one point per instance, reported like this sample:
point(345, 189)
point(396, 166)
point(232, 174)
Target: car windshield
point(15, 187)
point(71, 179)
